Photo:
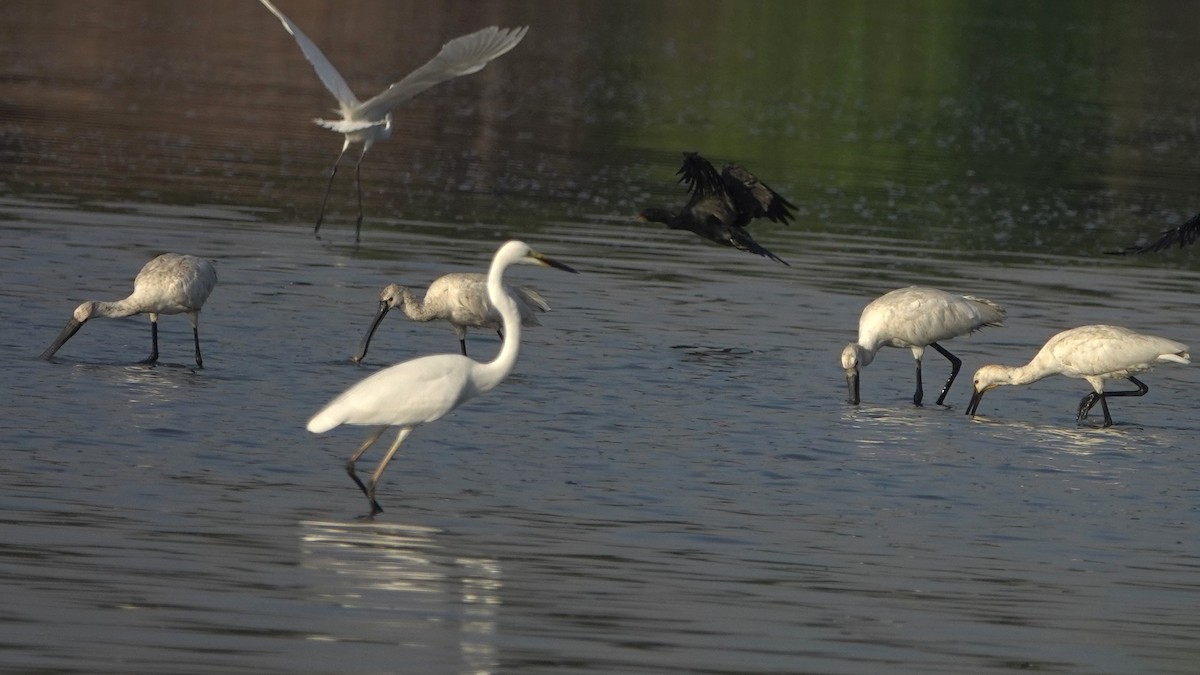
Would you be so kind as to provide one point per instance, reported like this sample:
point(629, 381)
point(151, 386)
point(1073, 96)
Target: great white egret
point(371, 120)
point(1094, 353)
point(425, 389)
point(723, 204)
point(169, 284)
point(916, 317)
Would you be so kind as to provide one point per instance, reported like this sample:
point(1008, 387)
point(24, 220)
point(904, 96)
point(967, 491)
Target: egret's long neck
point(494, 371)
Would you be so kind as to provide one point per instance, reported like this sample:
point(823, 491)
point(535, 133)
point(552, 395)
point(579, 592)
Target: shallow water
point(671, 480)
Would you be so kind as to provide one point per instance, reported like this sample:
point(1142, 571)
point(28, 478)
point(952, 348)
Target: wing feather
point(329, 75)
point(461, 56)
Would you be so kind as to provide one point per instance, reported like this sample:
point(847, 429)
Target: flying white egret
point(169, 284)
point(722, 205)
point(371, 120)
point(916, 317)
point(426, 389)
point(460, 298)
point(1094, 353)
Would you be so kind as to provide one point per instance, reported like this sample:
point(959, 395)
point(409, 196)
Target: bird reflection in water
point(439, 600)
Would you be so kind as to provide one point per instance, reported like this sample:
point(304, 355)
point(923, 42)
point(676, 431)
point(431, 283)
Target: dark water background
point(671, 480)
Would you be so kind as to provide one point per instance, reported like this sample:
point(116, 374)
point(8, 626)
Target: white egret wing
point(461, 56)
point(329, 75)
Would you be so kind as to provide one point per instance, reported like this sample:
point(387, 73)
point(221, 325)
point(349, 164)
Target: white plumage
point(460, 298)
point(425, 389)
point(169, 284)
point(371, 120)
point(916, 317)
point(1094, 353)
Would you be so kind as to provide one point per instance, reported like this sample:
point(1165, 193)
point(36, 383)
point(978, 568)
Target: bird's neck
point(1028, 373)
point(415, 309)
point(493, 372)
point(114, 310)
point(662, 216)
point(866, 352)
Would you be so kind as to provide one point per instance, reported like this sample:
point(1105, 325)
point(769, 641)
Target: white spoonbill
point(371, 120)
point(1093, 353)
point(169, 284)
point(460, 298)
point(916, 317)
point(425, 389)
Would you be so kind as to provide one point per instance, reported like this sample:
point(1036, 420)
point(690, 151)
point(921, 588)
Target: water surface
point(671, 480)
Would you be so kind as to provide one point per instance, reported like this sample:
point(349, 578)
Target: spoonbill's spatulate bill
point(371, 120)
point(723, 204)
point(460, 298)
point(426, 389)
point(1181, 236)
point(916, 317)
point(169, 284)
point(1093, 353)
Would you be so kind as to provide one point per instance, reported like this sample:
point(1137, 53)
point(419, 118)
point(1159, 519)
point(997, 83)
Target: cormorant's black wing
point(701, 179)
point(1183, 235)
point(752, 198)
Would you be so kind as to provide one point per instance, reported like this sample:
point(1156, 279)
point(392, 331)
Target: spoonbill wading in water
point(916, 317)
point(371, 120)
point(723, 204)
point(1093, 353)
point(426, 389)
point(169, 284)
point(460, 298)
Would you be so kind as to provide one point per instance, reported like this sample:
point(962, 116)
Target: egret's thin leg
point(358, 188)
point(359, 453)
point(955, 365)
point(920, 395)
point(462, 344)
point(375, 508)
point(328, 187)
point(153, 358)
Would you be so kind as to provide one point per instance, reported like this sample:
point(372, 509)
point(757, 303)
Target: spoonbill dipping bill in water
point(460, 298)
point(916, 317)
point(425, 389)
point(169, 284)
point(723, 204)
point(1093, 353)
point(369, 121)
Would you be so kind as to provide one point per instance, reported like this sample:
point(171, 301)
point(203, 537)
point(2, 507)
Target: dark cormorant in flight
point(723, 204)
